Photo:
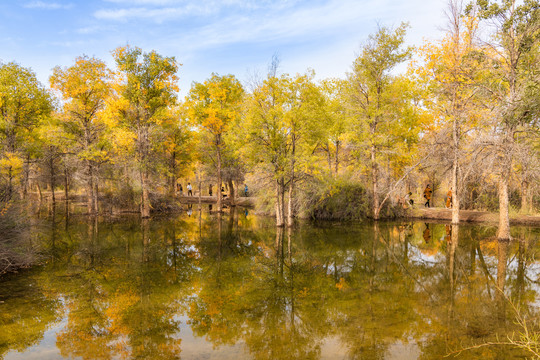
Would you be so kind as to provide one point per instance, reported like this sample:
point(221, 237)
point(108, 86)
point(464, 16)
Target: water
point(210, 288)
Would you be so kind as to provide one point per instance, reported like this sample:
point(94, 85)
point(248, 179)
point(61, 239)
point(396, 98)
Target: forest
point(460, 113)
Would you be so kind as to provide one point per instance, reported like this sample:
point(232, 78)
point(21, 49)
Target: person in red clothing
point(427, 195)
point(449, 199)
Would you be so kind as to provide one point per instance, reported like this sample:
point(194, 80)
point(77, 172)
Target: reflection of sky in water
point(45, 350)
point(339, 262)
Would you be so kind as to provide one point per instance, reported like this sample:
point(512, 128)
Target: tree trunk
point(337, 157)
point(374, 180)
point(10, 183)
point(504, 220)
point(218, 190)
point(51, 173)
point(95, 195)
point(279, 204)
point(524, 196)
point(26, 176)
point(456, 191)
point(172, 185)
point(145, 200)
point(329, 158)
point(290, 214)
point(39, 191)
point(290, 209)
point(89, 187)
point(232, 193)
point(66, 183)
point(143, 150)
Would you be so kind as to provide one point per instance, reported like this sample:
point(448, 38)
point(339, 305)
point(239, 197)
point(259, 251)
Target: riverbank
point(240, 201)
point(472, 216)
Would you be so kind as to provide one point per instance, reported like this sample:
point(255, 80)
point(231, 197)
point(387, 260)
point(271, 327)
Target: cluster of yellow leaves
point(11, 165)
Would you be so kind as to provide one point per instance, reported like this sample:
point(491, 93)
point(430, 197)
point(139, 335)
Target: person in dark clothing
point(210, 189)
point(245, 190)
point(179, 188)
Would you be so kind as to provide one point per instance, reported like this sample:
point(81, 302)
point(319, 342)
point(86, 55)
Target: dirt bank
point(470, 216)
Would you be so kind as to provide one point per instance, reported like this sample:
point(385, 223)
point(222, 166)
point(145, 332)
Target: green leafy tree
point(23, 103)
point(148, 86)
point(213, 106)
point(378, 103)
point(511, 61)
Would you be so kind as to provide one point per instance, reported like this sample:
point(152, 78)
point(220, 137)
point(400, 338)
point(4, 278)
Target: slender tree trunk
point(279, 204)
point(51, 173)
point(290, 214)
point(232, 193)
point(329, 158)
point(96, 196)
point(218, 190)
point(337, 157)
point(503, 232)
point(524, 196)
point(39, 191)
point(374, 180)
point(504, 219)
point(144, 146)
point(290, 209)
point(26, 176)
point(66, 183)
point(172, 184)
point(145, 200)
point(10, 183)
point(456, 191)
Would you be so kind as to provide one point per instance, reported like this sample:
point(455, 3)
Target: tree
point(148, 85)
point(213, 106)
point(511, 60)
point(451, 69)
point(336, 120)
point(23, 103)
point(84, 88)
point(281, 113)
point(373, 101)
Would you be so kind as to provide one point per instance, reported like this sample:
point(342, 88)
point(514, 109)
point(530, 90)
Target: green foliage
point(335, 199)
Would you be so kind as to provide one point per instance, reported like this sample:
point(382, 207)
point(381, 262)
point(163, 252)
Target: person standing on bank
point(427, 195)
point(209, 189)
point(449, 199)
point(189, 189)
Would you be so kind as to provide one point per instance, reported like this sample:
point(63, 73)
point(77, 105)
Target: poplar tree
point(213, 106)
point(148, 84)
point(84, 88)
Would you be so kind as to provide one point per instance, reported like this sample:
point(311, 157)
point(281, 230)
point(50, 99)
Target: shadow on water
point(232, 285)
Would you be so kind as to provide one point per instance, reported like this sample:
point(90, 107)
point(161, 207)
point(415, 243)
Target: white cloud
point(163, 10)
point(157, 15)
point(338, 17)
point(46, 5)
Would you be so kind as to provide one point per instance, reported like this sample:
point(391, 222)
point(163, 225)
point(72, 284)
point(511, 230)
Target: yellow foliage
point(11, 165)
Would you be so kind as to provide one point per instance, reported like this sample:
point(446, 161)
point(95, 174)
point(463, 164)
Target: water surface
point(234, 287)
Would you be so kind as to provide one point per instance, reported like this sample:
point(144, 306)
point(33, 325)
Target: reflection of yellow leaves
point(304, 292)
point(122, 302)
point(341, 285)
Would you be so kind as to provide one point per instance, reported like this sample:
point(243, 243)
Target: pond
point(235, 287)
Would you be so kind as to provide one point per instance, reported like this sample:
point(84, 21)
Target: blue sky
point(228, 37)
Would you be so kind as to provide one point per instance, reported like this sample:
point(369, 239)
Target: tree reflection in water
point(131, 289)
